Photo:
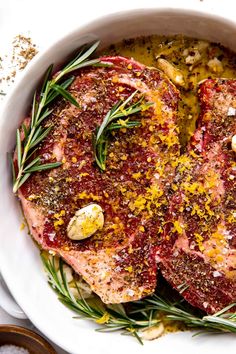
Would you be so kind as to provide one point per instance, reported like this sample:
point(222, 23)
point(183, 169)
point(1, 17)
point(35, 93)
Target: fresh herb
point(113, 121)
point(222, 321)
point(142, 315)
point(29, 136)
point(111, 317)
point(2, 93)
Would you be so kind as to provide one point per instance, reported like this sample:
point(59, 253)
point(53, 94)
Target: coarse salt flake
point(12, 349)
point(51, 236)
point(130, 292)
point(231, 111)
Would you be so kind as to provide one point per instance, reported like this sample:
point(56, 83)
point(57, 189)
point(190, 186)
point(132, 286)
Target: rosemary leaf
point(41, 134)
point(53, 94)
point(131, 124)
point(82, 56)
point(32, 163)
point(34, 110)
point(111, 122)
point(52, 88)
point(47, 76)
point(12, 167)
point(25, 130)
point(183, 313)
point(31, 153)
point(102, 64)
point(80, 61)
point(18, 146)
point(43, 116)
point(65, 94)
point(39, 168)
point(19, 183)
point(93, 62)
point(105, 122)
point(225, 309)
point(64, 281)
point(137, 337)
point(111, 329)
point(221, 323)
point(37, 132)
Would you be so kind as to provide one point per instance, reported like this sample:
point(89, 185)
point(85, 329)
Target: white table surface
point(5, 318)
point(46, 20)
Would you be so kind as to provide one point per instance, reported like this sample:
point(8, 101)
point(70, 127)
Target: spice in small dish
point(12, 349)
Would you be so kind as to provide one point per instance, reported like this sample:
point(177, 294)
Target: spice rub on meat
point(118, 262)
point(197, 253)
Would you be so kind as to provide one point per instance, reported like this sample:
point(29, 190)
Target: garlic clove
point(215, 65)
point(174, 74)
point(152, 332)
point(233, 143)
point(85, 222)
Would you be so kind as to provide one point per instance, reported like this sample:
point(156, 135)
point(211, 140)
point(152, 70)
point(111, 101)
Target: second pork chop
point(197, 252)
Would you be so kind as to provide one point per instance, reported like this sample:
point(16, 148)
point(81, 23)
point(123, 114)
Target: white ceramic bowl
point(20, 263)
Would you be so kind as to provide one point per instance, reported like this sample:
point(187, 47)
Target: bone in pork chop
point(198, 249)
point(118, 261)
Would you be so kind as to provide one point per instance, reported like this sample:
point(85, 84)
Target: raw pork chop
point(119, 261)
point(198, 249)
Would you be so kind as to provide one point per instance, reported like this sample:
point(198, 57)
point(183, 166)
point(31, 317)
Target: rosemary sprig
point(144, 314)
point(29, 136)
point(222, 321)
point(112, 121)
point(110, 317)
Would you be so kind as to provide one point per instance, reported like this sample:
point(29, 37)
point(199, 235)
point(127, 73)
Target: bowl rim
point(161, 9)
point(36, 62)
point(28, 333)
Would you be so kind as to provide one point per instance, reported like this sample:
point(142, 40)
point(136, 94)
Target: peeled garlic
point(215, 65)
point(233, 143)
point(68, 273)
point(85, 222)
point(83, 294)
point(194, 58)
point(152, 332)
point(171, 71)
point(201, 45)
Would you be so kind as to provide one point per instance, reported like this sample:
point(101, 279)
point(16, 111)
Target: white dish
point(20, 263)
